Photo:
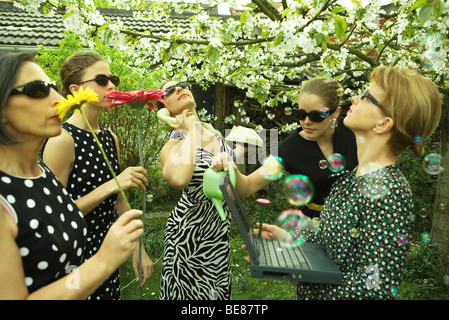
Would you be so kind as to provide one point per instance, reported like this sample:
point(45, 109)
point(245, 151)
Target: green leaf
point(425, 14)
point(279, 38)
point(340, 27)
point(417, 4)
point(213, 54)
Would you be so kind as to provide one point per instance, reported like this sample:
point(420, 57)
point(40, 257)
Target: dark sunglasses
point(171, 89)
point(35, 89)
point(315, 116)
point(103, 80)
point(368, 95)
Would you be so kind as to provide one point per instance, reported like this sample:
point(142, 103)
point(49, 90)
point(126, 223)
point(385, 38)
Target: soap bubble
point(288, 111)
point(272, 168)
point(300, 189)
point(324, 112)
point(213, 294)
point(336, 162)
point(432, 164)
point(334, 123)
point(425, 237)
point(423, 212)
point(289, 220)
point(375, 184)
point(323, 164)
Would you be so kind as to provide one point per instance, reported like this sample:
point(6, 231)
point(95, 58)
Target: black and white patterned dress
point(51, 229)
point(89, 171)
point(196, 263)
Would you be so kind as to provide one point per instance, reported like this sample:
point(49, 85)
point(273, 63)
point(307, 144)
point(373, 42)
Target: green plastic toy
point(211, 186)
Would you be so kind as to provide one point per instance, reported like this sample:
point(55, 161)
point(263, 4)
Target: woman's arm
point(119, 243)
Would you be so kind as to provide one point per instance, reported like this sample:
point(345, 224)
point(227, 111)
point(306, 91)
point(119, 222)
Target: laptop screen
point(241, 219)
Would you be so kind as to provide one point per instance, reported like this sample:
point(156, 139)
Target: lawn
point(424, 278)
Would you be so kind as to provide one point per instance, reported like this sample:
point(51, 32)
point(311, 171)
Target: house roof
point(20, 29)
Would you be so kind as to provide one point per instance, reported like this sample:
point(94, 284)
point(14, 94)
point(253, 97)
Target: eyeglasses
point(171, 89)
point(35, 89)
point(368, 95)
point(103, 80)
point(315, 116)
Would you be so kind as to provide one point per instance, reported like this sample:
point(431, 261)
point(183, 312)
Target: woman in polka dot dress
point(367, 219)
point(42, 231)
point(76, 159)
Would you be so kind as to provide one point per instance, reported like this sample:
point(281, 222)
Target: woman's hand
point(270, 231)
point(131, 177)
point(121, 239)
point(221, 160)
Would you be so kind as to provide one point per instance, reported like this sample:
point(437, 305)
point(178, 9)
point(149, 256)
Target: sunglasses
point(103, 80)
point(315, 116)
point(35, 89)
point(366, 94)
point(171, 89)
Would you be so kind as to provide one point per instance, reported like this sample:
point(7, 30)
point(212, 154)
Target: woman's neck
point(92, 115)
point(22, 159)
point(372, 155)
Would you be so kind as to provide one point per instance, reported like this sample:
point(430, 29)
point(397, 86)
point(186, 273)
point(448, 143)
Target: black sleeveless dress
point(51, 229)
point(90, 171)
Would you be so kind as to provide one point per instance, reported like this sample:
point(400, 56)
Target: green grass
point(424, 278)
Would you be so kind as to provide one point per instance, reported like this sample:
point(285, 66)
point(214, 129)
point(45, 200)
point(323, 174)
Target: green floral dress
point(365, 227)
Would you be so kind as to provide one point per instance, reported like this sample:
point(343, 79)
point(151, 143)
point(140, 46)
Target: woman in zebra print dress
point(196, 263)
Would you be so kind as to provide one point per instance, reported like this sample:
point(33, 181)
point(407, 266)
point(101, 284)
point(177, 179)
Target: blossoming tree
point(265, 49)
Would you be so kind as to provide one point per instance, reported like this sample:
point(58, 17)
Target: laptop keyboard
point(272, 252)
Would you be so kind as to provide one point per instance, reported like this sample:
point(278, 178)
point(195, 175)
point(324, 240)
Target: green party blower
point(211, 186)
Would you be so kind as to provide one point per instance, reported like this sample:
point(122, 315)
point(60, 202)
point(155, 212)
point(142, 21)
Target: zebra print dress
point(196, 263)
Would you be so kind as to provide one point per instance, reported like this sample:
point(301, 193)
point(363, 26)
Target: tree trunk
point(440, 226)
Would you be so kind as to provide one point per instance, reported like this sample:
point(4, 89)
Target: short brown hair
point(414, 103)
point(72, 69)
point(328, 90)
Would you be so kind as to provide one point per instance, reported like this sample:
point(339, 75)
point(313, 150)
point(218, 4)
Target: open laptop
point(270, 259)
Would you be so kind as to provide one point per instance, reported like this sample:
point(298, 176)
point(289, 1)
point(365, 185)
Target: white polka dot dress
point(89, 171)
point(52, 230)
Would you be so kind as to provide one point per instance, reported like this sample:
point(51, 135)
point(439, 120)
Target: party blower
point(211, 186)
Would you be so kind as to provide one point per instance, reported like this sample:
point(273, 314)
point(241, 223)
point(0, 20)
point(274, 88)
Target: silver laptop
point(270, 259)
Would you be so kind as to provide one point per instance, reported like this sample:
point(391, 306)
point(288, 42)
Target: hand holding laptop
point(270, 231)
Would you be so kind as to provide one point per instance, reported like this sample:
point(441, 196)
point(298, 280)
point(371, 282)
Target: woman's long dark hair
point(10, 64)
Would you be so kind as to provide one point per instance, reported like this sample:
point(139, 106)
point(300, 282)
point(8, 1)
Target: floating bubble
point(354, 233)
point(288, 111)
point(375, 183)
point(290, 218)
point(361, 139)
point(432, 164)
point(334, 123)
point(289, 239)
point(300, 189)
point(402, 239)
point(417, 139)
point(394, 292)
point(336, 162)
point(423, 212)
point(323, 164)
point(324, 112)
point(425, 237)
point(368, 168)
point(273, 168)
point(213, 294)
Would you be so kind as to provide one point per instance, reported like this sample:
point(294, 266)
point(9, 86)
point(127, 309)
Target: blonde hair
point(414, 103)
